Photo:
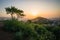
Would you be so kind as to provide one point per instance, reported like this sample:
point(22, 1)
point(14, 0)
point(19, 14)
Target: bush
point(56, 31)
point(47, 36)
point(12, 25)
point(31, 31)
point(43, 33)
point(26, 35)
point(15, 26)
point(39, 34)
point(40, 29)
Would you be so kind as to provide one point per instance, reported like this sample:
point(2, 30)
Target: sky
point(33, 8)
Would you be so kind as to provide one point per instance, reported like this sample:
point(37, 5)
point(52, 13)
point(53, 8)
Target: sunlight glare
point(34, 12)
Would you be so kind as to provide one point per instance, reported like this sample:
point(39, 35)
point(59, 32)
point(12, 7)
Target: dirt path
point(5, 35)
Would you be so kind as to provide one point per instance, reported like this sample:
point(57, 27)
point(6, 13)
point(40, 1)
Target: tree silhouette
point(19, 13)
point(12, 10)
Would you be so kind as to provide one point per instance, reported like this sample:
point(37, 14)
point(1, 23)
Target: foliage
point(31, 31)
point(11, 25)
point(12, 10)
point(26, 35)
point(56, 31)
point(44, 34)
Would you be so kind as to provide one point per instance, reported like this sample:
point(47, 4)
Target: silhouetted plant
point(12, 10)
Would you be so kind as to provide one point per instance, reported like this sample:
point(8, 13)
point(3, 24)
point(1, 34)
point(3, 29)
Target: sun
point(34, 12)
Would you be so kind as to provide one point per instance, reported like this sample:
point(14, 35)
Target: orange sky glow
point(32, 9)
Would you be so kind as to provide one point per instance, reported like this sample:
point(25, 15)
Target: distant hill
point(41, 20)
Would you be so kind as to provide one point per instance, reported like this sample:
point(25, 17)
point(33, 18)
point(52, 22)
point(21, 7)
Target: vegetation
point(12, 10)
point(30, 30)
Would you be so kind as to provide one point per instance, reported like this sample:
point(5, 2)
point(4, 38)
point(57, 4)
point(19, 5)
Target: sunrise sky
point(33, 8)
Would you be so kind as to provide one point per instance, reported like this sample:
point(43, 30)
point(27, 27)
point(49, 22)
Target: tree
point(12, 10)
point(19, 13)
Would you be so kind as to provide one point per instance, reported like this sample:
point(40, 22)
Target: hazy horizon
point(32, 8)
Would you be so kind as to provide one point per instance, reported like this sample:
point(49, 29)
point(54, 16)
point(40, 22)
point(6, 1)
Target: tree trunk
point(11, 16)
point(18, 17)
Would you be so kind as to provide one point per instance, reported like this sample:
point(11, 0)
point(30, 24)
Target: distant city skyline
point(32, 8)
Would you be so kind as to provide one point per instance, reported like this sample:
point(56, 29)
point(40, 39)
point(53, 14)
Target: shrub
point(56, 31)
point(12, 25)
point(31, 31)
point(47, 36)
point(44, 34)
point(15, 26)
point(27, 34)
point(39, 34)
point(40, 29)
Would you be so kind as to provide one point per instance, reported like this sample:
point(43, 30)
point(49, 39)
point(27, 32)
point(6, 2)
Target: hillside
point(41, 20)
